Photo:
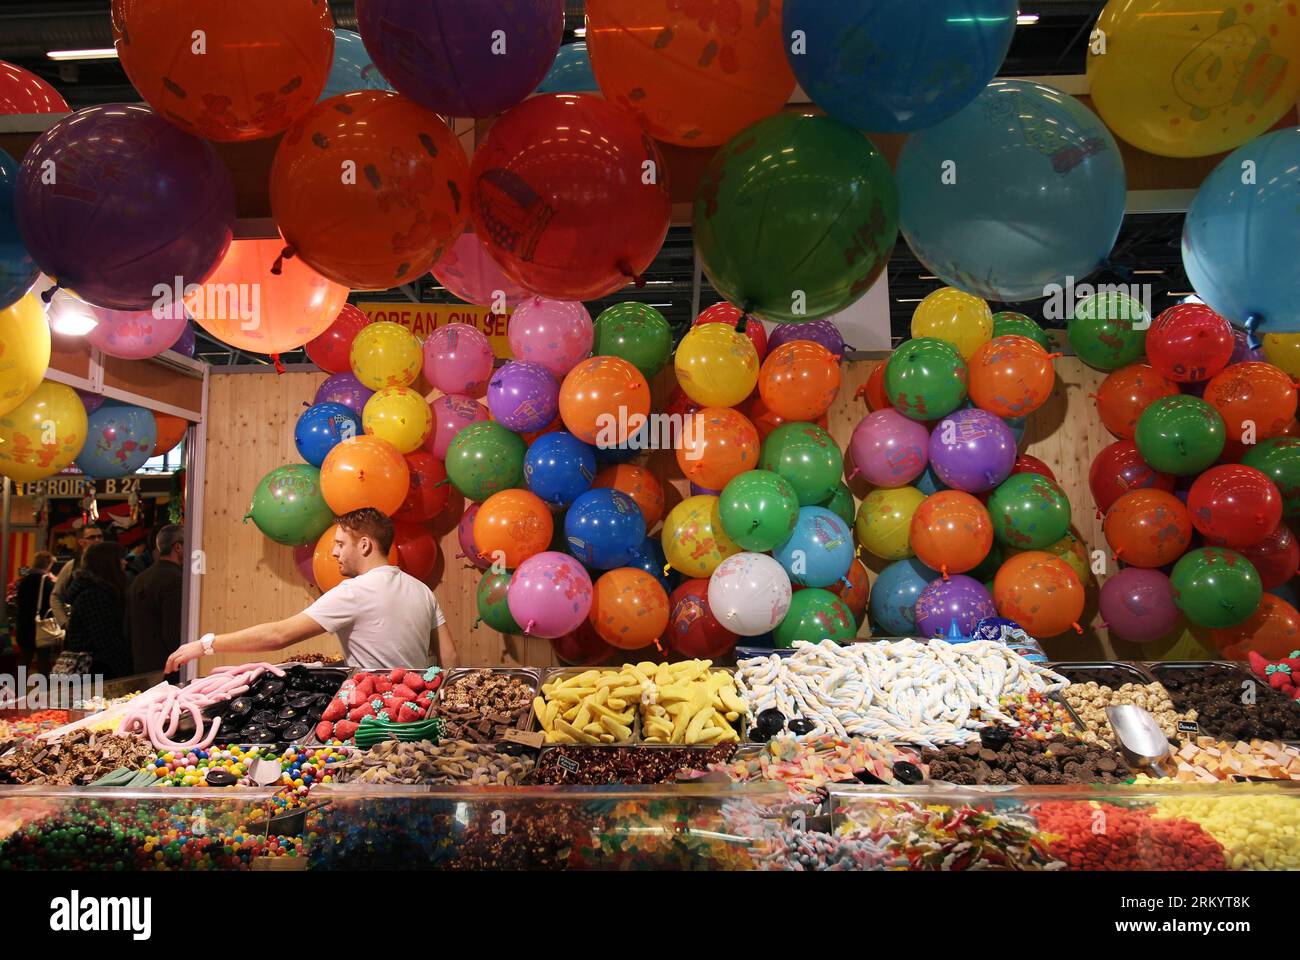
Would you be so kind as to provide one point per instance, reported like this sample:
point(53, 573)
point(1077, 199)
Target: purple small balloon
point(888, 449)
point(1242, 352)
point(1138, 605)
point(698, 491)
point(818, 331)
point(972, 450)
point(91, 401)
point(346, 389)
point(959, 598)
point(465, 535)
point(1196, 389)
point(523, 396)
point(185, 343)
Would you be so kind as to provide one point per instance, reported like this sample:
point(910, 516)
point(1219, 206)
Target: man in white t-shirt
point(383, 617)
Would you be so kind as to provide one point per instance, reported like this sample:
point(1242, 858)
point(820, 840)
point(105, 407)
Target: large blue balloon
point(650, 558)
point(1240, 239)
point(353, 69)
point(571, 71)
point(819, 551)
point(1018, 191)
point(891, 66)
point(894, 596)
point(18, 270)
point(322, 427)
point(120, 437)
point(604, 529)
point(559, 468)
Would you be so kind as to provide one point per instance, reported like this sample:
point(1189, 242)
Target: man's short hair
point(42, 560)
point(168, 537)
point(369, 522)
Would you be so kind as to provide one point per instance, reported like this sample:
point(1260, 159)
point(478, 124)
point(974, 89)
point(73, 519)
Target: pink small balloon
point(1138, 605)
point(555, 333)
point(549, 595)
point(458, 358)
point(471, 275)
point(302, 560)
point(136, 334)
point(452, 413)
point(888, 449)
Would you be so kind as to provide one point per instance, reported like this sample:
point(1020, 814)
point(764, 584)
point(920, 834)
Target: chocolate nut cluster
point(1060, 760)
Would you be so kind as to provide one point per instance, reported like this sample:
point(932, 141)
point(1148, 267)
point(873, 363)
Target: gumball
point(559, 468)
point(385, 354)
point(693, 630)
point(1040, 592)
point(429, 489)
point(399, 415)
point(951, 532)
point(1272, 632)
point(926, 379)
point(716, 366)
point(1256, 400)
point(364, 472)
point(889, 450)
point(693, 537)
point(417, 550)
point(819, 550)
point(458, 358)
point(894, 596)
point(512, 526)
point(639, 484)
point(959, 599)
point(1030, 464)
point(332, 350)
point(1119, 468)
point(523, 396)
point(1029, 512)
point(799, 380)
point(451, 414)
point(1180, 435)
point(322, 427)
point(1279, 460)
point(629, 608)
point(717, 445)
point(971, 450)
point(807, 457)
point(1216, 588)
point(1126, 393)
point(815, 615)
point(759, 510)
point(582, 647)
point(961, 319)
point(485, 458)
point(884, 521)
point(737, 319)
point(1275, 558)
point(1138, 605)
point(1189, 342)
point(1148, 528)
point(600, 398)
point(1011, 376)
point(604, 529)
point(555, 333)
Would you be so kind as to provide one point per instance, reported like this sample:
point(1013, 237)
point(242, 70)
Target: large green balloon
point(815, 615)
point(807, 457)
point(1109, 330)
point(492, 607)
point(636, 332)
point(1029, 512)
point(796, 217)
point(841, 504)
point(1182, 435)
point(1008, 323)
point(1278, 458)
point(485, 458)
point(926, 378)
point(759, 509)
point(1215, 587)
point(288, 507)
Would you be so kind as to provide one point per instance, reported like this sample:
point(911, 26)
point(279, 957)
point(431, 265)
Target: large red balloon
point(1189, 342)
point(730, 314)
point(569, 196)
point(693, 631)
point(1119, 468)
point(1275, 558)
point(1235, 505)
point(429, 490)
point(1126, 392)
point(417, 551)
point(22, 91)
point(332, 350)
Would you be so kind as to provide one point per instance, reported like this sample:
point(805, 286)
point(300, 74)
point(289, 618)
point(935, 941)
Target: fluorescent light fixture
point(926, 276)
point(1026, 19)
point(1181, 293)
point(909, 300)
point(70, 317)
point(1154, 273)
point(96, 53)
point(580, 32)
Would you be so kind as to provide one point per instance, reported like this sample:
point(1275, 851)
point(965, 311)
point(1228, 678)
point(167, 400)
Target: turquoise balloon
point(894, 596)
point(819, 551)
point(353, 69)
point(571, 72)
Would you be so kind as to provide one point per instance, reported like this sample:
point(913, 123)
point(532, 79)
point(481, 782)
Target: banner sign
point(74, 487)
point(423, 318)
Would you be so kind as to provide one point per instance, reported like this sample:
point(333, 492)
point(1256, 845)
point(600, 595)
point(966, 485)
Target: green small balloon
point(492, 607)
point(1182, 435)
point(485, 458)
point(759, 510)
point(1008, 323)
point(1216, 588)
point(815, 615)
point(288, 507)
point(1029, 512)
point(806, 456)
point(989, 566)
point(1109, 330)
point(1278, 458)
point(926, 378)
point(841, 504)
point(637, 333)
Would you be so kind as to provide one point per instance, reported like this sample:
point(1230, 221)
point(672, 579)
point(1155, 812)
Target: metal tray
point(1122, 671)
point(531, 674)
point(586, 747)
point(1158, 667)
point(535, 725)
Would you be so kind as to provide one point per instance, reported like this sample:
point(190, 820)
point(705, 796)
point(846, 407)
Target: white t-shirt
point(384, 618)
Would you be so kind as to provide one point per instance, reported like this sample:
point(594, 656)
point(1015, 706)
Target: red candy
point(1109, 837)
point(397, 675)
point(403, 692)
point(344, 729)
point(413, 680)
point(324, 730)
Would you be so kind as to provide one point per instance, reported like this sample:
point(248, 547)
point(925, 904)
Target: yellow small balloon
point(962, 319)
point(884, 521)
point(43, 434)
point(1283, 350)
point(399, 415)
point(716, 366)
point(386, 354)
point(693, 538)
point(24, 351)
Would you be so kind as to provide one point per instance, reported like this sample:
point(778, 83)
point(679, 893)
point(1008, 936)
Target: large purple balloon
point(818, 331)
point(1138, 605)
point(959, 598)
point(185, 343)
point(466, 58)
point(523, 396)
point(549, 595)
point(888, 449)
point(346, 389)
point(972, 450)
point(134, 202)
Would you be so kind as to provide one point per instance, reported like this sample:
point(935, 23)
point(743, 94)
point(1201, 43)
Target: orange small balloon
point(951, 532)
point(629, 608)
point(1040, 592)
point(1272, 631)
point(512, 526)
point(639, 484)
point(1126, 392)
point(364, 472)
point(604, 400)
point(171, 431)
point(325, 569)
point(765, 419)
point(1011, 376)
point(1148, 528)
point(1253, 393)
point(799, 380)
point(717, 443)
point(873, 392)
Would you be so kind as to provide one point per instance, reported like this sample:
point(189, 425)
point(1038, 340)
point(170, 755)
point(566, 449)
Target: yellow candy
point(1257, 833)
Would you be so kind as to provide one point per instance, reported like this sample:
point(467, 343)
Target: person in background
point(154, 602)
point(96, 600)
point(33, 601)
point(58, 600)
point(145, 553)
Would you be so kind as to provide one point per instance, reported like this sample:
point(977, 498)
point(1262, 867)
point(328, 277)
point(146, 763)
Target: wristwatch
point(206, 642)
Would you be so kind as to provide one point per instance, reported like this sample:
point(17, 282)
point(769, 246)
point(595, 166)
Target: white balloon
point(749, 593)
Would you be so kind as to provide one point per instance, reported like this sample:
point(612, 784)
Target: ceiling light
point(1027, 19)
point(70, 317)
point(96, 53)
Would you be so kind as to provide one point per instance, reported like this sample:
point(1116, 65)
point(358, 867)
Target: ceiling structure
point(1054, 45)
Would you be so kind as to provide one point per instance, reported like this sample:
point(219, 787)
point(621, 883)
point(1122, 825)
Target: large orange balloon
point(249, 306)
point(364, 472)
point(695, 74)
point(629, 608)
point(512, 526)
point(222, 70)
point(1040, 592)
point(1011, 376)
point(325, 569)
point(1126, 392)
point(639, 484)
point(1272, 631)
point(171, 431)
point(604, 400)
point(951, 532)
point(799, 380)
point(716, 444)
point(1148, 528)
point(1253, 392)
point(370, 189)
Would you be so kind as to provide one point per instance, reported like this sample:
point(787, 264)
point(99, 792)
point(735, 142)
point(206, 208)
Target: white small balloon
point(749, 593)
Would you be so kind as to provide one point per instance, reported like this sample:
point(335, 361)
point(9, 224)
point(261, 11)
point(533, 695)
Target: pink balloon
point(889, 449)
point(549, 595)
point(302, 560)
point(465, 534)
point(458, 358)
point(555, 333)
point(452, 413)
point(136, 334)
point(471, 275)
point(1138, 605)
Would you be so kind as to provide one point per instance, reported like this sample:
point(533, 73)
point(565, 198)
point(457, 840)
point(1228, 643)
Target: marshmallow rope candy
point(159, 716)
point(902, 691)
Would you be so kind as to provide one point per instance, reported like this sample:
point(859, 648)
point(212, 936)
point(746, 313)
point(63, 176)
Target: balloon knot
point(1055, 356)
point(667, 568)
point(660, 647)
point(48, 295)
point(279, 367)
point(944, 571)
point(528, 628)
point(1077, 629)
point(855, 472)
point(1253, 322)
point(861, 392)
point(277, 268)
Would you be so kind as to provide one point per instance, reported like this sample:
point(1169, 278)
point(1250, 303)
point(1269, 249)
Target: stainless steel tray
point(1123, 671)
point(533, 675)
point(535, 725)
point(1157, 667)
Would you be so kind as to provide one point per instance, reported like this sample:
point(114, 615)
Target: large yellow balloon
point(960, 318)
point(399, 415)
point(386, 354)
point(885, 521)
point(716, 366)
point(24, 351)
point(43, 434)
point(693, 538)
point(1283, 350)
point(1190, 78)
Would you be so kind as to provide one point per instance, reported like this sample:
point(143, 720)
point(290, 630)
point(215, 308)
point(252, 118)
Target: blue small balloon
point(894, 595)
point(604, 529)
point(18, 271)
point(571, 72)
point(650, 558)
point(120, 437)
point(1018, 426)
point(929, 482)
point(632, 448)
point(820, 551)
point(353, 69)
point(559, 468)
point(322, 427)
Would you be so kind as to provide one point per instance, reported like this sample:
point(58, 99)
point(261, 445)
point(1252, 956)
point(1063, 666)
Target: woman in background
point(33, 601)
point(97, 600)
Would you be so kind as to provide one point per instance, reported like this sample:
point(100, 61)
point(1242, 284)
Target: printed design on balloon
point(1232, 68)
point(1049, 138)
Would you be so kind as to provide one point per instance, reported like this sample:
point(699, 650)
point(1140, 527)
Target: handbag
point(48, 632)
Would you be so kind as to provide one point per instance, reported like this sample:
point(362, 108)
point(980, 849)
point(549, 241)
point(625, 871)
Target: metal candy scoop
point(1141, 740)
